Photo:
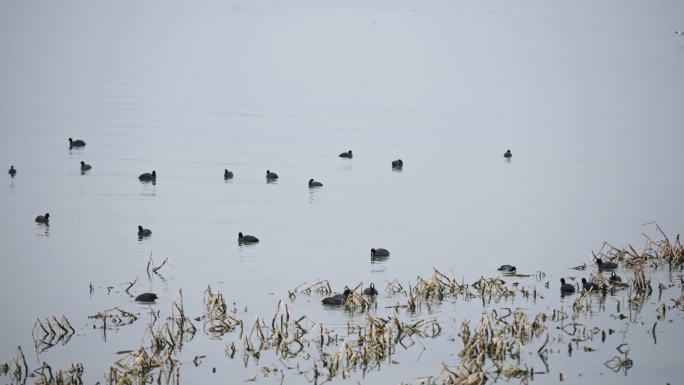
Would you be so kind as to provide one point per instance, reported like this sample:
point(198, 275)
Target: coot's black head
point(599, 261)
point(82, 163)
point(372, 286)
point(70, 140)
point(140, 228)
point(346, 292)
point(310, 180)
point(372, 251)
point(240, 235)
point(562, 281)
point(154, 173)
point(584, 281)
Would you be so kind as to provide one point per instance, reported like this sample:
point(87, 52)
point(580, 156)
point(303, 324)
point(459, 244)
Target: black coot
point(337, 299)
point(76, 143)
point(144, 232)
point(148, 177)
point(371, 291)
point(607, 265)
point(247, 239)
point(379, 252)
point(347, 154)
point(43, 218)
point(566, 288)
point(146, 297)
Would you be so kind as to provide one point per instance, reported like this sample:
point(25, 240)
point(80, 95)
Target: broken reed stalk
point(116, 316)
point(130, 285)
point(156, 269)
point(50, 332)
point(319, 287)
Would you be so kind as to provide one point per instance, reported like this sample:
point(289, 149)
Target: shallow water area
point(586, 95)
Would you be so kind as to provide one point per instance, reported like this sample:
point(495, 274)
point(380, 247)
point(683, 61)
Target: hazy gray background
point(588, 95)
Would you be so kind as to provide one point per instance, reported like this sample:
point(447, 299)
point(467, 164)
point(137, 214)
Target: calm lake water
point(589, 96)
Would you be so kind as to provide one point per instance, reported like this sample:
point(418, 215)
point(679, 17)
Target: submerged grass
point(496, 347)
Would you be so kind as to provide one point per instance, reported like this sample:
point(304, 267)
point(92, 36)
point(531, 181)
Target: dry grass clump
point(157, 362)
point(217, 318)
point(169, 338)
point(494, 348)
point(582, 303)
point(655, 252)
point(285, 335)
point(70, 376)
point(140, 367)
point(664, 250)
point(438, 285)
point(490, 287)
point(20, 373)
point(367, 346)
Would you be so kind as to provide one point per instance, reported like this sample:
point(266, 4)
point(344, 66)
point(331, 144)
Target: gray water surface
point(587, 95)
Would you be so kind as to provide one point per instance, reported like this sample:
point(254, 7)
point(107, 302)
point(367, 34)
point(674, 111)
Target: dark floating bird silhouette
point(227, 174)
point(148, 177)
point(85, 166)
point(347, 154)
point(144, 232)
point(76, 143)
point(313, 183)
point(508, 154)
point(271, 175)
point(247, 239)
point(379, 252)
point(370, 291)
point(337, 299)
point(146, 297)
point(614, 279)
point(566, 288)
point(397, 164)
point(507, 268)
point(12, 171)
point(607, 265)
point(589, 286)
point(45, 219)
